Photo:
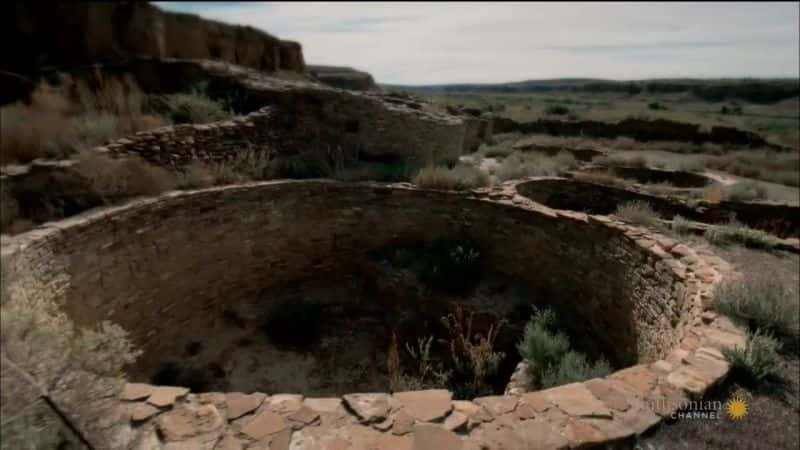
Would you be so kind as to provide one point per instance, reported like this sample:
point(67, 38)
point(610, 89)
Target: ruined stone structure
point(782, 220)
point(157, 266)
point(639, 129)
point(301, 115)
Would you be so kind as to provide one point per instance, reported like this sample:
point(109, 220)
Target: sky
point(467, 42)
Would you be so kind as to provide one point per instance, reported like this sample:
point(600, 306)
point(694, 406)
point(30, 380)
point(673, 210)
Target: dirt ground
point(773, 420)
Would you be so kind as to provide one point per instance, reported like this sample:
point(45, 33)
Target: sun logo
point(736, 408)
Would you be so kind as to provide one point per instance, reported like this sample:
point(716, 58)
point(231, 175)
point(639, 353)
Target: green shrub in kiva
point(573, 367)
point(549, 357)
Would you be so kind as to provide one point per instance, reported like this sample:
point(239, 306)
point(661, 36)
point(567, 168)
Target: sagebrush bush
point(115, 179)
point(757, 362)
point(520, 165)
point(43, 353)
point(189, 108)
point(541, 347)
point(549, 357)
point(764, 301)
point(738, 233)
point(638, 212)
point(573, 367)
point(459, 178)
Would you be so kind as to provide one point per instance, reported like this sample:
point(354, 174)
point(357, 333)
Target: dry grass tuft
point(62, 120)
point(115, 179)
point(638, 212)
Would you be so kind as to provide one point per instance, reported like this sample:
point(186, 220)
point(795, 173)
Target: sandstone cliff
point(68, 34)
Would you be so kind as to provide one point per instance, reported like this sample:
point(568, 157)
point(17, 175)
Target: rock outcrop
point(343, 77)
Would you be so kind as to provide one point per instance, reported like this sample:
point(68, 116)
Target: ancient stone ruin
point(168, 268)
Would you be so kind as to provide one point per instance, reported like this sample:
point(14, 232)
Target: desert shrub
point(451, 265)
point(737, 233)
point(638, 212)
point(549, 357)
point(783, 168)
point(45, 355)
point(294, 323)
point(461, 177)
point(115, 179)
point(557, 110)
point(656, 106)
point(520, 165)
point(757, 362)
point(573, 367)
point(743, 191)
point(541, 347)
point(764, 301)
point(61, 120)
point(188, 108)
point(680, 225)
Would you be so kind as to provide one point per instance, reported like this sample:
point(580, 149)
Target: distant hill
point(747, 89)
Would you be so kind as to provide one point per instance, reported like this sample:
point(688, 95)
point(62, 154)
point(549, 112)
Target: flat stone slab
point(577, 401)
point(426, 406)
point(163, 396)
point(264, 424)
point(368, 407)
point(239, 404)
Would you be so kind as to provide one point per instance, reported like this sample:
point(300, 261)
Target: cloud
point(418, 43)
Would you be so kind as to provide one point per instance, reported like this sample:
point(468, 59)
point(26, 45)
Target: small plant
point(656, 106)
point(295, 323)
point(452, 266)
point(762, 300)
point(757, 362)
point(473, 355)
point(680, 225)
point(459, 178)
point(638, 212)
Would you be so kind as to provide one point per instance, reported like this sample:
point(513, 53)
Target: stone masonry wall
point(161, 264)
point(307, 116)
